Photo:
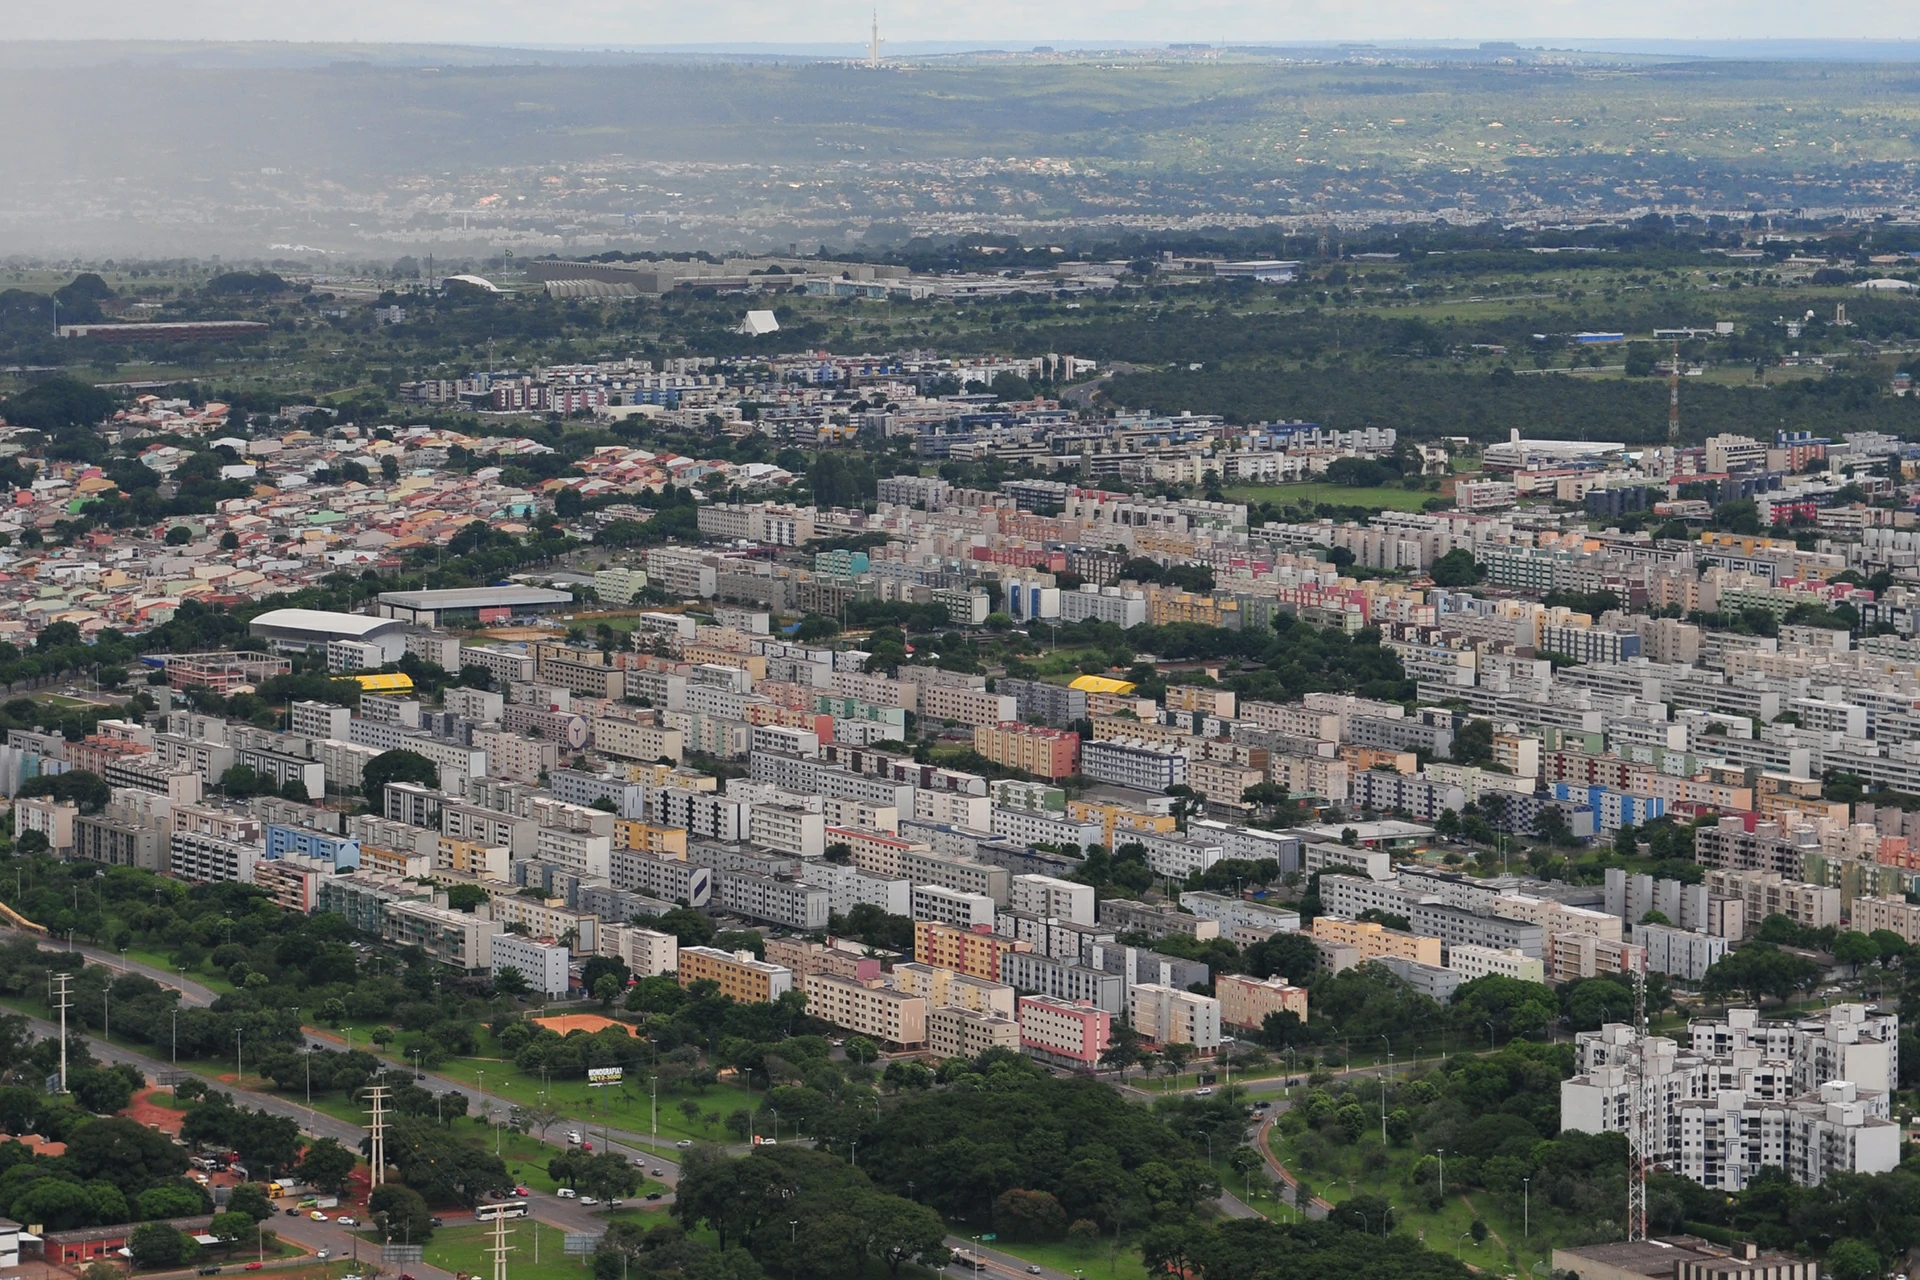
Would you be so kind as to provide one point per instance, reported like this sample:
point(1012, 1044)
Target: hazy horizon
point(597, 23)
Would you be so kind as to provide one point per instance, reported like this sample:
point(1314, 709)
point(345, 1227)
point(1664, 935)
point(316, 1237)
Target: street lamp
point(1443, 1169)
point(1526, 1190)
point(1464, 1235)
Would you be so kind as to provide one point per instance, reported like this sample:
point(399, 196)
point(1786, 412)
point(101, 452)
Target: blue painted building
point(342, 852)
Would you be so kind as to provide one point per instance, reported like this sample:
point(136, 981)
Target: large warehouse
point(470, 604)
point(305, 629)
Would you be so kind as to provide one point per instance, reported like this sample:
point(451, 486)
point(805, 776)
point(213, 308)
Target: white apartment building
point(1164, 1015)
point(942, 987)
point(1049, 896)
point(454, 938)
point(542, 964)
point(646, 953)
point(975, 813)
point(966, 706)
point(956, 1032)
point(516, 756)
point(871, 1010)
point(848, 887)
point(1131, 763)
point(951, 907)
point(789, 829)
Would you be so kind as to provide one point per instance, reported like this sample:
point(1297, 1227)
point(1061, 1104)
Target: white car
point(567, 1193)
point(573, 1137)
point(345, 1221)
point(1203, 1093)
point(323, 1254)
point(588, 1200)
point(683, 1144)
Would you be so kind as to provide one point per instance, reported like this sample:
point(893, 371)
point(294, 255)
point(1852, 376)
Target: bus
point(505, 1209)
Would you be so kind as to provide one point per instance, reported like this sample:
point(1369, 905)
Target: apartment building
point(1050, 896)
point(515, 756)
point(1472, 962)
point(293, 882)
point(542, 963)
point(1571, 956)
point(1131, 763)
point(580, 929)
point(1164, 1015)
point(1064, 1032)
point(630, 740)
point(457, 939)
point(940, 703)
point(214, 845)
point(1896, 915)
point(1034, 749)
point(1767, 893)
point(788, 828)
point(1373, 941)
point(867, 1009)
point(1246, 1001)
point(787, 903)
point(953, 907)
point(1240, 916)
point(645, 952)
point(957, 1032)
point(944, 987)
point(469, 858)
point(977, 950)
point(54, 819)
point(963, 875)
point(661, 876)
point(739, 975)
point(649, 837)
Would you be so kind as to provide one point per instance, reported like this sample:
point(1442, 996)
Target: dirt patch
point(588, 1022)
point(144, 1110)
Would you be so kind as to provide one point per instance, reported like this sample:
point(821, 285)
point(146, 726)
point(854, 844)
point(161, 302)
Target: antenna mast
point(62, 1003)
point(1639, 1116)
point(1673, 400)
point(873, 48)
point(377, 1136)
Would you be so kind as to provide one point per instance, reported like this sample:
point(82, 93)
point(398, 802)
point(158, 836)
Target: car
point(573, 1137)
point(615, 1202)
point(345, 1221)
point(253, 1266)
point(588, 1200)
point(408, 1275)
point(769, 1142)
point(293, 1213)
point(653, 1195)
point(1032, 1270)
point(323, 1254)
point(567, 1193)
point(522, 1191)
point(438, 1222)
point(201, 1178)
point(318, 1216)
point(683, 1144)
point(209, 1271)
point(586, 1146)
point(1203, 1092)
point(659, 1173)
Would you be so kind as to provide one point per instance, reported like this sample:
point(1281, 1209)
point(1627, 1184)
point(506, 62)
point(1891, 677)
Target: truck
point(326, 1202)
point(288, 1187)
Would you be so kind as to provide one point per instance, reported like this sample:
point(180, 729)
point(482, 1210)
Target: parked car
point(653, 1195)
point(588, 1200)
point(323, 1254)
point(567, 1193)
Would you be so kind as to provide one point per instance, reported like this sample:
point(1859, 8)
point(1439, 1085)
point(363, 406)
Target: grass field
point(1440, 1228)
point(1101, 1262)
point(464, 1249)
point(1386, 497)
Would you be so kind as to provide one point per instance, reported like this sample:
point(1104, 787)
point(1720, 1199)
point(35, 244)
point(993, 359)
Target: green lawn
point(464, 1249)
point(1101, 1262)
point(628, 1107)
point(1386, 497)
point(1440, 1228)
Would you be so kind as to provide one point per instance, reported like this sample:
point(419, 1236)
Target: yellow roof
point(392, 682)
point(1101, 684)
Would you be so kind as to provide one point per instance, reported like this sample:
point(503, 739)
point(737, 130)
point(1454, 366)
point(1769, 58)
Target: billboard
point(600, 1077)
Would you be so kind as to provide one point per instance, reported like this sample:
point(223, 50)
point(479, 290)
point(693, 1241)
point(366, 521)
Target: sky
point(990, 22)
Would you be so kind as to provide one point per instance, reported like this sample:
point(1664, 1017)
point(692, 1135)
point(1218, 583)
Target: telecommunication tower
point(1673, 400)
point(62, 1003)
point(874, 43)
point(1639, 1116)
point(377, 1136)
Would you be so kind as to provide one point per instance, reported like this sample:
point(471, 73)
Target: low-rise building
point(1164, 1015)
point(868, 1009)
point(957, 1032)
point(740, 975)
point(1062, 1032)
point(543, 963)
point(1246, 1001)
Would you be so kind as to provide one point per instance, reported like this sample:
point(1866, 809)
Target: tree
point(1852, 1260)
point(1457, 568)
point(861, 1050)
point(250, 1198)
point(902, 1230)
point(170, 1200)
point(400, 1213)
point(606, 990)
point(327, 1165)
point(230, 1227)
point(155, 1244)
point(397, 766)
point(607, 1175)
point(509, 981)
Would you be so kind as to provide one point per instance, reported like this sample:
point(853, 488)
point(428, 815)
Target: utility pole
point(377, 1135)
point(61, 1002)
point(500, 1246)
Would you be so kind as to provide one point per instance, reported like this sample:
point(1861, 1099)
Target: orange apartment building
point(1036, 749)
point(974, 951)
